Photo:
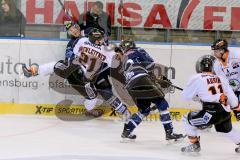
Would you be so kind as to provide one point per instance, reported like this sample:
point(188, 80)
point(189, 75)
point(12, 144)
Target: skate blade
point(126, 140)
point(176, 140)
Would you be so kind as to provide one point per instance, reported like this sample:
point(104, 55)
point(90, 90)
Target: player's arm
point(232, 100)
point(69, 54)
point(190, 91)
point(78, 46)
point(217, 69)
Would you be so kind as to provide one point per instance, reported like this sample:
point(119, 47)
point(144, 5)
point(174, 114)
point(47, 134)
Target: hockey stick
point(159, 79)
point(85, 12)
point(179, 88)
point(121, 5)
point(65, 11)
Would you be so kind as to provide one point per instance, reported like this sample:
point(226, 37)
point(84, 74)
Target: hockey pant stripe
point(201, 121)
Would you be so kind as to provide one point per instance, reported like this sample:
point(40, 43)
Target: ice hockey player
point(65, 69)
point(95, 61)
point(217, 98)
point(137, 68)
point(227, 64)
point(89, 69)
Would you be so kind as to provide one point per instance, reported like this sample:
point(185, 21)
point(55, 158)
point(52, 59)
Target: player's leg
point(225, 126)
point(212, 113)
point(191, 121)
point(88, 92)
point(165, 117)
point(104, 88)
point(136, 118)
point(36, 69)
point(237, 112)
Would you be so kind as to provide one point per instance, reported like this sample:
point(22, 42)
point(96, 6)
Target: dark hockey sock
point(166, 120)
point(134, 121)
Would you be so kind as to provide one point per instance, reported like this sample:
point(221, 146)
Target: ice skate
point(31, 71)
point(195, 147)
point(173, 136)
point(127, 136)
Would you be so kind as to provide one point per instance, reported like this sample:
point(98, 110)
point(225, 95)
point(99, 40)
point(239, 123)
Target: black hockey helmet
point(220, 44)
point(205, 64)
point(95, 34)
point(127, 44)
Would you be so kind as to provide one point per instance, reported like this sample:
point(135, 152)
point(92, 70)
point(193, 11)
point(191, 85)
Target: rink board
point(68, 111)
point(35, 95)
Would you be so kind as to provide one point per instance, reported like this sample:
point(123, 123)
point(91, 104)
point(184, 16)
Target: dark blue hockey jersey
point(136, 63)
point(69, 49)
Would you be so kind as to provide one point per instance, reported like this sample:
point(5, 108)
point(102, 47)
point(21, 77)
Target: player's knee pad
point(161, 104)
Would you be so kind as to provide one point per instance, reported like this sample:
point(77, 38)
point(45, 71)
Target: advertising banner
point(174, 14)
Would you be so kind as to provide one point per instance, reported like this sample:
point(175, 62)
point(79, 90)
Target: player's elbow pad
point(69, 54)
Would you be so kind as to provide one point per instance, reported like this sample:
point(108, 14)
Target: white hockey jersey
point(91, 57)
point(208, 88)
point(230, 69)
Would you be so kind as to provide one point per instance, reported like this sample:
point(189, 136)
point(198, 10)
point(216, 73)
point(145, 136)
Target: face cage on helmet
point(76, 29)
point(206, 66)
point(220, 45)
point(126, 46)
point(94, 39)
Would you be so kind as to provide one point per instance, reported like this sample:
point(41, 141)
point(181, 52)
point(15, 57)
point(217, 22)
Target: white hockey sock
point(234, 135)
point(46, 69)
point(190, 130)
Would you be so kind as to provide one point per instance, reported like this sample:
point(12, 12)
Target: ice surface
point(48, 138)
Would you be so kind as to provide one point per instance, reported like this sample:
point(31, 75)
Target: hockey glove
point(223, 99)
point(31, 71)
point(164, 82)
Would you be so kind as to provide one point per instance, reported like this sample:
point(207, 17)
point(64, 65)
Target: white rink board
point(42, 51)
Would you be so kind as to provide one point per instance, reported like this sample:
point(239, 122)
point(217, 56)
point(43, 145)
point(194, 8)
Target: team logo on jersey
point(235, 65)
point(93, 45)
point(229, 74)
point(235, 84)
